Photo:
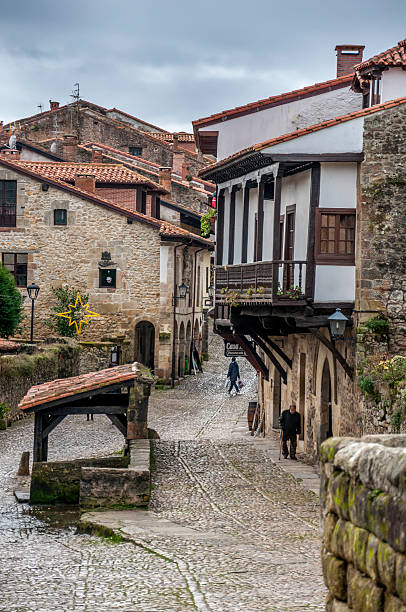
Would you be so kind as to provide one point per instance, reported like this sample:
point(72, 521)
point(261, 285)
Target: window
point(107, 278)
point(8, 203)
point(335, 236)
point(60, 216)
point(137, 151)
point(16, 263)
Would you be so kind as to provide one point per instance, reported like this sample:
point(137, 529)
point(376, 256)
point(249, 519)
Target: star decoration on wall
point(78, 314)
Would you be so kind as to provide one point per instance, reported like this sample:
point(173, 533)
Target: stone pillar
point(137, 413)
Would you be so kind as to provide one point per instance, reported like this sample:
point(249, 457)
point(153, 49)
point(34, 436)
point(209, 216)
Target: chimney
point(10, 154)
point(175, 141)
point(70, 147)
point(97, 157)
point(348, 56)
point(184, 171)
point(53, 105)
point(86, 182)
point(165, 178)
point(178, 160)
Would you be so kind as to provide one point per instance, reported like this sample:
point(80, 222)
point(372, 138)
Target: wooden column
point(138, 198)
point(137, 413)
point(245, 221)
point(40, 440)
point(231, 226)
point(220, 228)
point(258, 247)
point(276, 234)
point(314, 203)
point(153, 205)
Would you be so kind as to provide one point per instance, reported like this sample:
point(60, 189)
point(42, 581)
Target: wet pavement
point(228, 528)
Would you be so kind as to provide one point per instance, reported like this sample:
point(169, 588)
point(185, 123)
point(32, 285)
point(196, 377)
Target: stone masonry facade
point(363, 499)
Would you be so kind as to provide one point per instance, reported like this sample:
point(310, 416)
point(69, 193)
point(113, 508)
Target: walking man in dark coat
point(290, 425)
point(233, 374)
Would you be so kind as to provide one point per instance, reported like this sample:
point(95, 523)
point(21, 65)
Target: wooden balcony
point(261, 282)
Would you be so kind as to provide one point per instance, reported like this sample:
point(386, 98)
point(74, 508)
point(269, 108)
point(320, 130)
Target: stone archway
point(144, 344)
point(326, 404)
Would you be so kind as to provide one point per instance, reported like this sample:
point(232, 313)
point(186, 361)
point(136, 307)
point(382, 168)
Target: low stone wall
point(363, 498)
point(58, 482)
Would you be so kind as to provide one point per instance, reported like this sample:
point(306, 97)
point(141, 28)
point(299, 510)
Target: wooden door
point(289, 249)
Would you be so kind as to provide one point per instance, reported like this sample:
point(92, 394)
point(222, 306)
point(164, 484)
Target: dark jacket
point(290, 423)
point(233, 371)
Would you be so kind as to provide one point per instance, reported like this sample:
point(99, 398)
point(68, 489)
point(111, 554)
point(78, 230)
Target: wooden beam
point(276, 234)
point(67, 409)
point(37, 451)
point(347, 368)
point(252, 356)
point(121, 424)
point(220, 228)
point(260, 216)
point(245, 221)
point(314, 203)
point(316, 157)
point(231, 227)
point(271, 356)
point(52, 423)
point(101, 391)
point(276, 348)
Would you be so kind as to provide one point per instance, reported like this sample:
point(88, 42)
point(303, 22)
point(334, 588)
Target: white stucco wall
point(251, 223)
point(240, 132)
point(164, 258)
point(393, 84)
point(28, 155)
point(226, 226)
point(342, 138)
point(338, 185)
point(334, 284)
point(239, 205)
point(267, 247)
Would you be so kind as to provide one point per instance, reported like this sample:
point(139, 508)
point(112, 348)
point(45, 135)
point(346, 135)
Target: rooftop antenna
point(54, 144)
point(76, 96)
point(40, 107)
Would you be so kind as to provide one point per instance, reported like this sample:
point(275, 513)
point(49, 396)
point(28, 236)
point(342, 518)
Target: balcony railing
point(254, 282)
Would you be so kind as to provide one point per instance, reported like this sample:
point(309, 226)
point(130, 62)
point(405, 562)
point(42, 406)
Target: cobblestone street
point(228, 529)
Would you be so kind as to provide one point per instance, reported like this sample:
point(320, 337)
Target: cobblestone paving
point(256, 543)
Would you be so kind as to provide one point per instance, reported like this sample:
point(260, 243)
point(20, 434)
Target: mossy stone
point(371, 557)
point(387, 566)
point(393, 604)
point(400, 577)
point(330, 522)
point(338, 488)
point(363, 594)
point(359, 549)
point(335, 575)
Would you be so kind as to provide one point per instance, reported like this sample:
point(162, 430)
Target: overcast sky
point(170, 62)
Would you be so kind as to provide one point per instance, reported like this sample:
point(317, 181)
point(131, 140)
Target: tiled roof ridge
point(307, 130)
point(86, 146)
point(284, 96)
point(82, 167)
point(128, 212)
point(48, 112)
point(379, 58)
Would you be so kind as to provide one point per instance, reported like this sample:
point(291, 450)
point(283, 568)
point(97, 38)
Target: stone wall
point(59, 481)
point(363, 499)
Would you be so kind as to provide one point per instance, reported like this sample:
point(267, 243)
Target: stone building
point(60, 226)
point(309, 221)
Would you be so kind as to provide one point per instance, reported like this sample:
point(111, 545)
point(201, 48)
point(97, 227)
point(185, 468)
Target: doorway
point(145, 344)
point(326, 409)
point(288, 276)
point(277, 400)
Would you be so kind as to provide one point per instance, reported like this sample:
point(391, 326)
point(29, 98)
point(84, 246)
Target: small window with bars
point(335, 235)
point(107, 278)
point(8, 203)
point(16, 264)
point(60, 216)
point(137, 151)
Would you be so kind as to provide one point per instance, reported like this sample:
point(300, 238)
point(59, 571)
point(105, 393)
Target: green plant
point(378, 325)
point(63, 296)
point(164, 335)
point(205, 226)
point(397, 419)
point(10, 304)
point(292, 293)
point(232, 297)
point(367, 386)
point(4, 411)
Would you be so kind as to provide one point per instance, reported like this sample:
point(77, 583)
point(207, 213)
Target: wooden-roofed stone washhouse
point(86, 226)
point(293, 243)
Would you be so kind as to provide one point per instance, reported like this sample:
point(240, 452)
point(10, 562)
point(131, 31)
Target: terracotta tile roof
point(7, 346)
point(165, 228)
point(307, 130)
point(207, 186)
point(69, 387)
point(284, 98)
point(396, 56)
point(104, 173)
point(168, 137)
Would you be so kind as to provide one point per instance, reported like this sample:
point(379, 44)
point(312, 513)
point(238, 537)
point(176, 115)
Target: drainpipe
point(174, 314)
point(193, 308)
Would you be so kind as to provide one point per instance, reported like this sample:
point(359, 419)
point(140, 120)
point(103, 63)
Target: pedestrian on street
point(290, 425)
point(234, 375)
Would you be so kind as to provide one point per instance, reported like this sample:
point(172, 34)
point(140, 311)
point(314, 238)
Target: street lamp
point(210, 290)
point(32, 291)
point(115, 356)
point(183, 289)
point(338, 323)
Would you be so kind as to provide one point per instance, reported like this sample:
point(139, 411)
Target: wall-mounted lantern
point(338, 323)
point(183, 289)
point(32, 291)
